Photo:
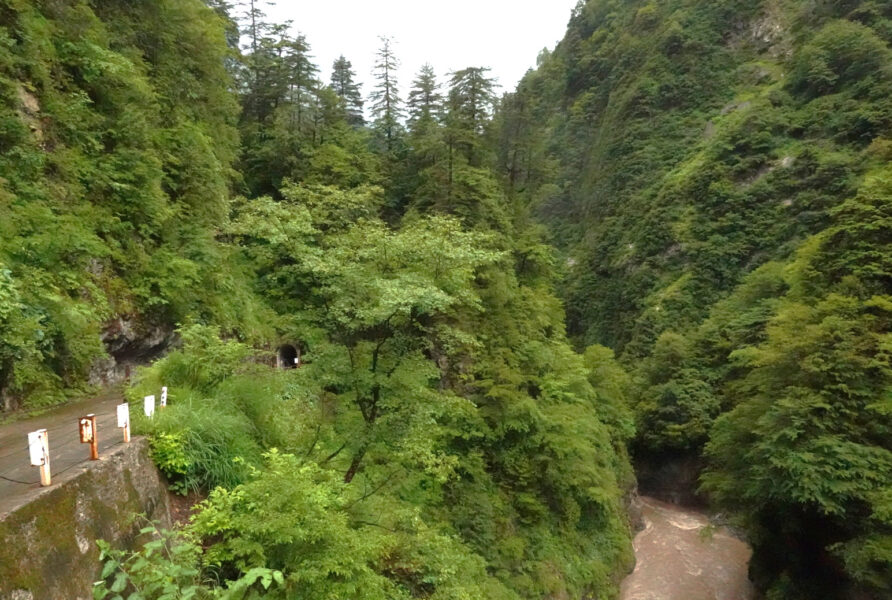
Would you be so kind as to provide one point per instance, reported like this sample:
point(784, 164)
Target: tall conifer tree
point(386, 102)
point(302, 82)
point(344, 84)
point(425, 101)
point(471, 102)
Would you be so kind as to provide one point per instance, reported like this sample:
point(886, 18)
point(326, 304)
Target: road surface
point(19, 481)
point(678, 557)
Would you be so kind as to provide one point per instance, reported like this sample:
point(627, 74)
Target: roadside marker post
point(124, 420)
point(149, 402)
point(163, 396)
point(88, 433)
point(39, 449)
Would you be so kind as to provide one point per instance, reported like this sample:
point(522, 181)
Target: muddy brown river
point(679, 557)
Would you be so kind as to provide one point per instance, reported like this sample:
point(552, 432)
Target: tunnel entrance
point(288, 357)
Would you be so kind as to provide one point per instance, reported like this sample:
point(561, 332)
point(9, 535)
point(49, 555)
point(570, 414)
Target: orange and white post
point(87, 430)
point(39, 449)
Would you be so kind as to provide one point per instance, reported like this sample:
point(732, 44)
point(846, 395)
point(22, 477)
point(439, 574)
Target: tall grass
point(204, 438)
point(201, 443)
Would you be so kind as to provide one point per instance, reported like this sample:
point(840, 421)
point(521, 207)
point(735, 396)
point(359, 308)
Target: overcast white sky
point(505, 35)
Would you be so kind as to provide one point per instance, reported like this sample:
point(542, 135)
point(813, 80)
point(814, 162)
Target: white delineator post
point(163, 396)
point(39, 449)
point(124, 420)
point(149, 403)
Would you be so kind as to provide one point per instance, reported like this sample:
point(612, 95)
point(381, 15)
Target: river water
point(679, 557)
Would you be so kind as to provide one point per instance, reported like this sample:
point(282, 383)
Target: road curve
point(19, 481)
point(679, 558)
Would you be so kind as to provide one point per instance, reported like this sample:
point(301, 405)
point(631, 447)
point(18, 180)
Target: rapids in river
point(680, 556)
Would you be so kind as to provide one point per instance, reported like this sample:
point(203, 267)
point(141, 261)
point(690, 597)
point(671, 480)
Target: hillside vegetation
point(180, 165)
point(117, 141)
point(719, 177)
point(715, 181)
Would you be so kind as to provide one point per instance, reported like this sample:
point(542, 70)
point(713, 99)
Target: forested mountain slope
point(117, 141)
point(177, 164)
point(719, 176)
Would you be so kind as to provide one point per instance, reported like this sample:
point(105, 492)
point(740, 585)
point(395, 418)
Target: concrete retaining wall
point(47, 544)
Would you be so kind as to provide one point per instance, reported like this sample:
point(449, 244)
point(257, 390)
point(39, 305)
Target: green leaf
point(109, 567)
point(120, 582)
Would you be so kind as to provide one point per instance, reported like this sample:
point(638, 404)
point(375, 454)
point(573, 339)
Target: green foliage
point(117, 142)
point(718, 174)
point(20, 335)
point(612, 384)
point(733, 173)
point(292, 127)
point(438, 406)
point(199, 444)
point(202, 439)
point(202, 363)
point(385, 102)
point(161, 570)
point(807, 448)
point(440, 440)
point(169, 454)
point(290, 517)
point(840, 55)
point(347, 90)
point(168, 568)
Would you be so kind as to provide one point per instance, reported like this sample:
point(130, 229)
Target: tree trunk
point(354, 466)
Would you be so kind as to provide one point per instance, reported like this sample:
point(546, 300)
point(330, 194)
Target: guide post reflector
point(124, 419)
point(39, 450)
point(149, 403)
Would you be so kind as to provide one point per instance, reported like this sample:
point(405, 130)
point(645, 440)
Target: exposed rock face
point(671, 479)
point(768, 34)
point(128, 343)
point(47, 544)
point(29, 112)
point(634, 508)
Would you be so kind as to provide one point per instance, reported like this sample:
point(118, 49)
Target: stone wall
point(47, 544)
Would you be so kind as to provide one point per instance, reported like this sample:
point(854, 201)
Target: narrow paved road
point(19, 480)
point(679, 559)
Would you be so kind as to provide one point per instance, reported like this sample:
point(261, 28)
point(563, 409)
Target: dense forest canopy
point(704, 187)
point(718, 176)
point(177, 165)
